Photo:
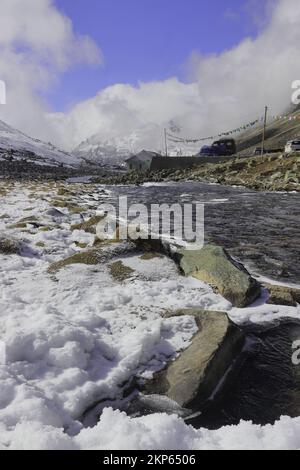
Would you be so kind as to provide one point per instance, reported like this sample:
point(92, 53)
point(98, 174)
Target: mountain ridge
point(16, 145)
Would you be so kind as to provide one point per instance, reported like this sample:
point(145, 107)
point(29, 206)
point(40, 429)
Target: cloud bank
point(224, 90)
point(37, 45)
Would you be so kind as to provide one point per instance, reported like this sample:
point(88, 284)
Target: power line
point(178, 139)
point(166, 142)
point(264, 132)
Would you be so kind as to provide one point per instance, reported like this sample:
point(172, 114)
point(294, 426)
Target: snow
point(117, 431)
point(45, 154)
point(74, 338)
point(260, 312)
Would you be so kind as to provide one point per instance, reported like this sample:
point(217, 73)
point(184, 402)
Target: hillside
point(278, 132)
point(16, 146)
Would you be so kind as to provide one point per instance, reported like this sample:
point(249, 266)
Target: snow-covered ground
point(45, 153)
point(74, 337)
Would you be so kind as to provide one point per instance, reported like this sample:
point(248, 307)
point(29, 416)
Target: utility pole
point(166, 142)
point(264, 132)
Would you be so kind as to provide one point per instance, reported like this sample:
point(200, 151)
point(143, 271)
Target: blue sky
point(146, 40)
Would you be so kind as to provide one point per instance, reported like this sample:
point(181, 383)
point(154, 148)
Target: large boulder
point(213, 265)
point(199, 370)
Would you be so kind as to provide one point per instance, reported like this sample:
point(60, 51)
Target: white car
point(292, 146)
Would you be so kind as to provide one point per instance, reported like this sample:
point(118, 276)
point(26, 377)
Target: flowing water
point(262, 230)
point(264, 386)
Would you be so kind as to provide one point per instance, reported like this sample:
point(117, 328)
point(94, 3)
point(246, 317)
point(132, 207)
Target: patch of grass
point(9, 247)
point(149, 256)
point(120, 272)
point(90, 258)
point(17, 225)
point(75, 209)
point(29, 219)
point(40, 244)
point(26, 221)
point(46, 228)
point(88, 226)
point(108, 241)
point(60, 203)
point(67, 204)
point(81, 245)
point(63, 192)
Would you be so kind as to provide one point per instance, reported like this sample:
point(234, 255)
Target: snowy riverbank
point(77, 337)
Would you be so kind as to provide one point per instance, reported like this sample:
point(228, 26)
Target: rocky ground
point(25, 165)
point(275, 172)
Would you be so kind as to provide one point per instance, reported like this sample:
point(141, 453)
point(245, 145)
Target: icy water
point(262, 230)
point(265, 384)
point(262, 386)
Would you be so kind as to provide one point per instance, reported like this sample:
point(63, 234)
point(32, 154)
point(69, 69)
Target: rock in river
point(194, 376)
point(213, 265)
point(283, 295)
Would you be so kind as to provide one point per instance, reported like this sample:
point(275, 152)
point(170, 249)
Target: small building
point(142, 161)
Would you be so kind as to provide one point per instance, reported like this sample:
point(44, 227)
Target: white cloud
point(225, 89)
point(37, 44)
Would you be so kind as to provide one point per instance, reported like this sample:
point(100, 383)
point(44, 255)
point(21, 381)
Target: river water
point(262, 230)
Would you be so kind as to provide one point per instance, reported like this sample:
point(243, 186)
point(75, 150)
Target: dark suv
point(224, 147)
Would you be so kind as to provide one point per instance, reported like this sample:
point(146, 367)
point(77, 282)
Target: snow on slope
point(98, 148)
point(115, 150)
point(110, 151)
point(44, 153)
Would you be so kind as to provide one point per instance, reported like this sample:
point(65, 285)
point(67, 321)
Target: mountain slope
point(278, 133)
point(16, 146)
point(114, 150)
point(94, 151)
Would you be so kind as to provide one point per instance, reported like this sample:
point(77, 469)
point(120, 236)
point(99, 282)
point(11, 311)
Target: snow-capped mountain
point(16, 145)
point(114, 150)
point(94, 151)
point(99, 149)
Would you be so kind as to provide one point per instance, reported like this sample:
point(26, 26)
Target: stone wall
point(179, 163)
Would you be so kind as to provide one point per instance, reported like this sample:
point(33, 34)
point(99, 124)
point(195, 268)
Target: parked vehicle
point(292, 146)
point(208, 151)
point(224, 147)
